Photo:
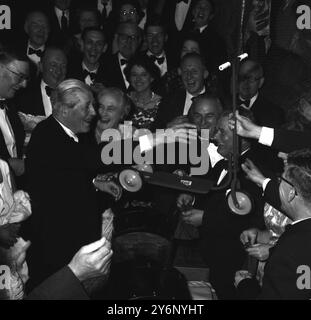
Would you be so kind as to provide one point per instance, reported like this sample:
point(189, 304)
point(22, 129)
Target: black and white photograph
point(155, 150)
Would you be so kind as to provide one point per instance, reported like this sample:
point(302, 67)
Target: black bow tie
point(88, 73)
point(48, 90)
point(159, 60)
point(2, 104)
point(185, 1)
point(31, 51)
point(123, 62)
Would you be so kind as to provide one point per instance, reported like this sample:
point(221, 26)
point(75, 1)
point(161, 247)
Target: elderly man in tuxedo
point(220, 228)
point(61, 168)
point(14, 70)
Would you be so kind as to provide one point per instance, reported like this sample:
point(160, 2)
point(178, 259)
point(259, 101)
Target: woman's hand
point(249, 237)
point(110, 187)
point(193, 217)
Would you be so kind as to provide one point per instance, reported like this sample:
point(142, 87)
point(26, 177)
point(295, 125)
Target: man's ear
point(179, 71)
point(105, 48)
point(206, 73)
point(261, 82)
point(291, 195)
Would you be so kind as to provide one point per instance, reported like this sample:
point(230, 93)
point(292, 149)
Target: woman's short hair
point(144, 62)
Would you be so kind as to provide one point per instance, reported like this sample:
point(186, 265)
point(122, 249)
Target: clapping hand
point(253, 173)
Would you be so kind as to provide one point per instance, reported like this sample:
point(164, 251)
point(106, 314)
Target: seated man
point(220, 228)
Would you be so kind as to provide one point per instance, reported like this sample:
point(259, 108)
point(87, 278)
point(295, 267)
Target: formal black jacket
point(175, 36)
point(170, 108)
point(66, 215)
point(266, 113)
point(114, 73)
point(63, 285)
point(75, 71)
point(30, 100)
point(18, 130)
point(220, 231)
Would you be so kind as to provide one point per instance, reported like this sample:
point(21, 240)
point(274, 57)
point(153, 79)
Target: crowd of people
point(74, 70)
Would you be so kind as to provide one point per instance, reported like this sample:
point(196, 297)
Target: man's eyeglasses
point(125, 12)
point(280, 179)
point(249, 79)
point(21, 77)
point(125, 38)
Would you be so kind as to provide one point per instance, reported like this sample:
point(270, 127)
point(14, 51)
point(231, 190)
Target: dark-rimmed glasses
point(21, 77)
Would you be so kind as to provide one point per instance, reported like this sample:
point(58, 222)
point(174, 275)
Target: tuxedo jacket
point(76, 72)
point(63, 285)
point(266, 113)
point(18, 131)
point(66, 215)
point(175, 36)
point(170, 108)
point(114, 73)
point(30, 100)
point(214, 49)
point(281, 272)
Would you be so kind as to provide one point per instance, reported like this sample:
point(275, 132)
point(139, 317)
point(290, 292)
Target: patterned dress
point(145, 114)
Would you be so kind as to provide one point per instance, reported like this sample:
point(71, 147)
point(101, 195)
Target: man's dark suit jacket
point(18, 130)
point(170, 108)
point(30, 100)
point(175, 36)
point(113, 71)
point(221, 229)
point(63, 285)
point(76, 72)
point(281, 272)
point(214, 49)
point(66, 215)
point(266, 113)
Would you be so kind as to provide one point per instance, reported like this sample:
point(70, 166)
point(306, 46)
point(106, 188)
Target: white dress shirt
point(100, 6)
point(46, 100)
point(69, 132)
point(33, 57)
point(8, 133)
point(251, 103)
point(162, 67)
point(59, 14)
point(88, 79)
point(127, 84)
point(188, 101)
point(181, 12)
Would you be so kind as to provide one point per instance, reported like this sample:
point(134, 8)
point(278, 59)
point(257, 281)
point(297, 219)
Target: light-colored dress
point(14, 208)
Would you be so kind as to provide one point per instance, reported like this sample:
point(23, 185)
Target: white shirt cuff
point(145, 143)
point(265, 183)
point(266, 136)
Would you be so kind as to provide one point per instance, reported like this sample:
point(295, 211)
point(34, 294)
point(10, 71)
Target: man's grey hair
point(66, 93)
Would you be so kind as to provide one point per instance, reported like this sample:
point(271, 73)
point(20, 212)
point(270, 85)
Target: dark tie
point(88, 73)
point(64, 22)
point(48, 90)
point(159, 60)
point(185, 1)
point(244, 103)
point(31, 51)
point(123, 62)
point(104, 12)
point(2, 104)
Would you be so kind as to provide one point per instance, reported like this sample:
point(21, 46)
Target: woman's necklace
point(143, 102)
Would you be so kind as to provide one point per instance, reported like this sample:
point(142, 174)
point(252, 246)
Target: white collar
point(68, 131)
point(162, 55)
point(84, 67)
point(203, 28)
point(42, 48)
point(191, 96)
point(252, 100)
point(300, 220)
